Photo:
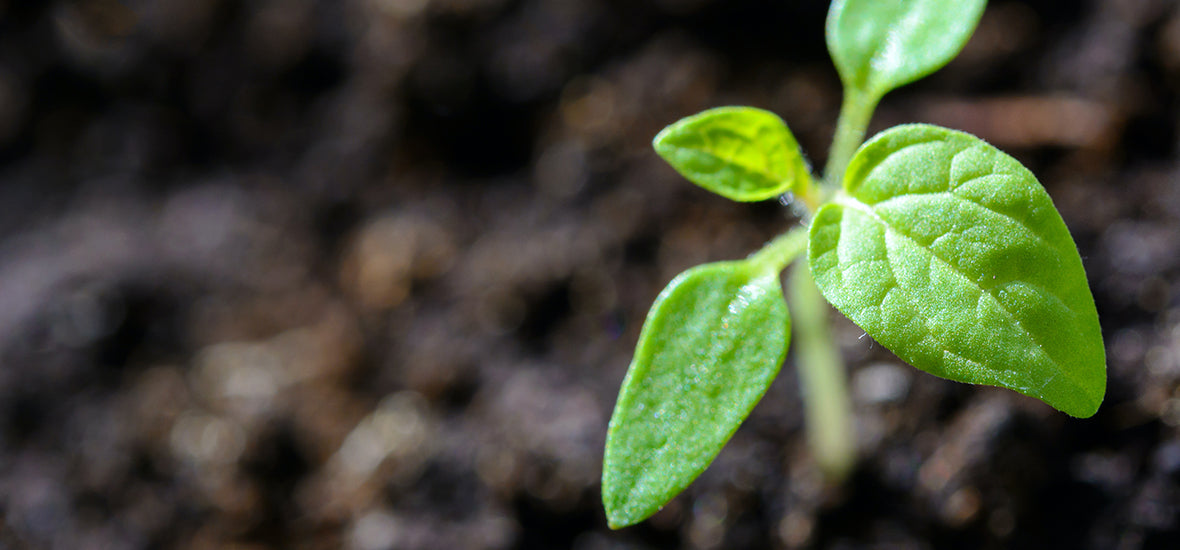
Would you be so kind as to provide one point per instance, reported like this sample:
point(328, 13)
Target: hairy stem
point(855, 113)
point(826, 401)
point(780, 252)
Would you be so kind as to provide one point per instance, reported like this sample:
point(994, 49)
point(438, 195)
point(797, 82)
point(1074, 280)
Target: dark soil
point(368, 274)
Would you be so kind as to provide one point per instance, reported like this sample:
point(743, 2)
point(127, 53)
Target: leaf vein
point(868, 210)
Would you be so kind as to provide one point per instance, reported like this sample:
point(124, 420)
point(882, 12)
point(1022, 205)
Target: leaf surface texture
point(880, 45)
point(713, 342)
point(952, 255)
point(741, 153)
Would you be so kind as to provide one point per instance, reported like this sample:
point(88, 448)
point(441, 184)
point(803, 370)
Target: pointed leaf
point(741, 153)
point(712, 343)
point(952, 255)
point(880, 45)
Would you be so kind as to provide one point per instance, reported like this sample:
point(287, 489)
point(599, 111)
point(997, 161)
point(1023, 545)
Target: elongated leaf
point(880, 45)
point(741, 153)
point(712, 343)
point(951, 254)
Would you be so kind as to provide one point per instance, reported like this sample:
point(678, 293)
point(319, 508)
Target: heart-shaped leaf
point(712, 343)
point(952, 255)
point(741, 153)
point(880, 45)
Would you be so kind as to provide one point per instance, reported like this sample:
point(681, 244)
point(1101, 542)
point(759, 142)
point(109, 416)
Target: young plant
point(941, 247)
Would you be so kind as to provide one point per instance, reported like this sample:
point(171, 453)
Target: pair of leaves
point(746, 154)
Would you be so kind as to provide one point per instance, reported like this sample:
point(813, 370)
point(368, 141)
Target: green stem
point(811, 196)
point(826, 401)
point(777, 254)
point(855, 113)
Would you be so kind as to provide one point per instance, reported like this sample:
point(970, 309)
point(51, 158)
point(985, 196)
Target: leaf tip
point(1084, 408)
point(616, 522)
point(623, 512)
point(1085, 396)
point(623, 505)
point(658, 142)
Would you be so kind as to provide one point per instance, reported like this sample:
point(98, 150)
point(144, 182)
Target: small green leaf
point(880, 45)
point(741, 153)
point(952, 255)
point(712, 343)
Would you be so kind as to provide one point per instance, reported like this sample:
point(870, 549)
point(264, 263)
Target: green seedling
point(941, 247)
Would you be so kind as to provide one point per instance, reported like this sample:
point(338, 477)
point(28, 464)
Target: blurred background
point(367, 274)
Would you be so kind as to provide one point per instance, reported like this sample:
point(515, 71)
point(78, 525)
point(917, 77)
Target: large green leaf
point(879, 45)
point(741, 153)
point(712, 343)
point(952, 255)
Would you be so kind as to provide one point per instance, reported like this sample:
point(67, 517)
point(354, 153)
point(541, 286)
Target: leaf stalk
point(777, 254)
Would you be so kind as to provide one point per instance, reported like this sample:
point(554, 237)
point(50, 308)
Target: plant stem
point(855, 113)
point(780, 252)
point(826, 401)
point(812, 199)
